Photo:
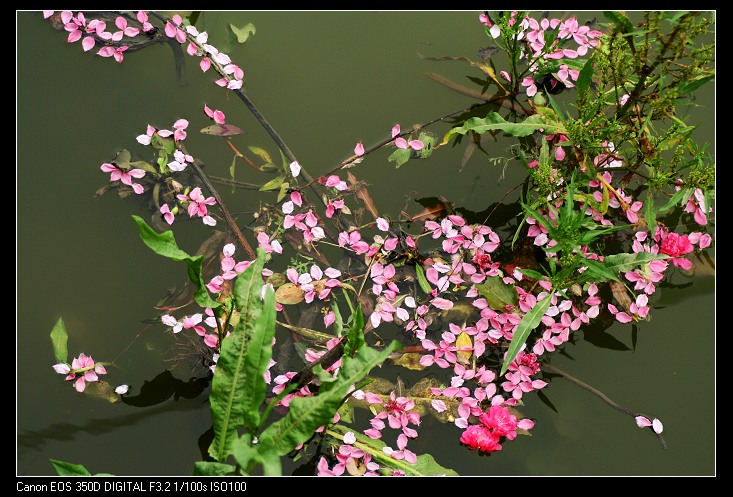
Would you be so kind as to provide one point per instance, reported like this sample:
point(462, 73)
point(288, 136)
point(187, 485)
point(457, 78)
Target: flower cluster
point(82, 370)
point(496, 423)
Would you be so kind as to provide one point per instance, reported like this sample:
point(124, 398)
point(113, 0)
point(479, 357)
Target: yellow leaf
point(465, 348)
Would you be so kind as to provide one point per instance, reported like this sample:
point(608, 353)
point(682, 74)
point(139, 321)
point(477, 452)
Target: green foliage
point(59, 337)
point(498, 294)
point(495, 122)
point(236, 385)
point(529, 322)
point(425, 465)
point(165, 244)
point(306, 414)
point(68, 469)
point(244, 32)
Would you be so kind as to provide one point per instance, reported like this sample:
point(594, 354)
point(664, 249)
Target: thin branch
point(600, 395)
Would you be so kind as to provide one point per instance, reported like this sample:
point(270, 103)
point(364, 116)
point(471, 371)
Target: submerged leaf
point(498, 294)
point(465, 348)
point(244, 32)
point(222, 130)
point(289, 294)
point(102, 390)
point(410, 360)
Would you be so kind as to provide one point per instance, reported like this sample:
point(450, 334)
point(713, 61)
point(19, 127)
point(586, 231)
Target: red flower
point(481, 438)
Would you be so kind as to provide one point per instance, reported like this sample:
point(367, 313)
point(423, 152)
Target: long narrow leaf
point(355, 335)
point(620, 263)
point(257, 360)
point(306, 414)
point(425, 465)
point(165, 244)
point(529, 322)
point(231, 404)
point(494, 122)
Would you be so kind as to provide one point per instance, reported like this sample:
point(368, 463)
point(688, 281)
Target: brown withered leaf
point(289, 294)
point(222, 130)
point(621, 295)
point(362, 193)
point(410, 360)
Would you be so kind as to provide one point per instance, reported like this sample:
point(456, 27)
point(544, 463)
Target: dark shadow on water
point(155, 392)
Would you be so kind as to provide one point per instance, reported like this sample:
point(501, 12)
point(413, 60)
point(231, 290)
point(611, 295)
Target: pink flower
point(197, 205)
point(142, 16)
point(83, 369)
point(217, 115)
point(167, 214)
point(413, 144)
point(676, 246)
point(359, 149)
point(481, 438)
point(113, 52)
point(643, 422)
point(124, 176)
point(403, 452)
point(173, 30)
point(696, 205)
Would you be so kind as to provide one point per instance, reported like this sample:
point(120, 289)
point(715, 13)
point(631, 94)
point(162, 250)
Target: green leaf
point(555, 107)
point(338, 324)
point(244, 32)
point(584, 78)
point(532, 274)
point(273, 184)
point(688, 87)
point(529, 322)
point(597, 271)
point(422, 280)
point(620, 263)
point(429, 141)
point(425, 465)
point(283, 191)
point(165, 244)
point(211, 468)
point(59, 337)
point(621, 20)
point(165, 144)
point(246, 455)
point(232, 168)
point(498, 294)
point(355, 335)
point(306, 414)
point(238, 385)
point(494, 122)
point(400, 156)
point(675, 198)
point(67, 469)
point(261, 153)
